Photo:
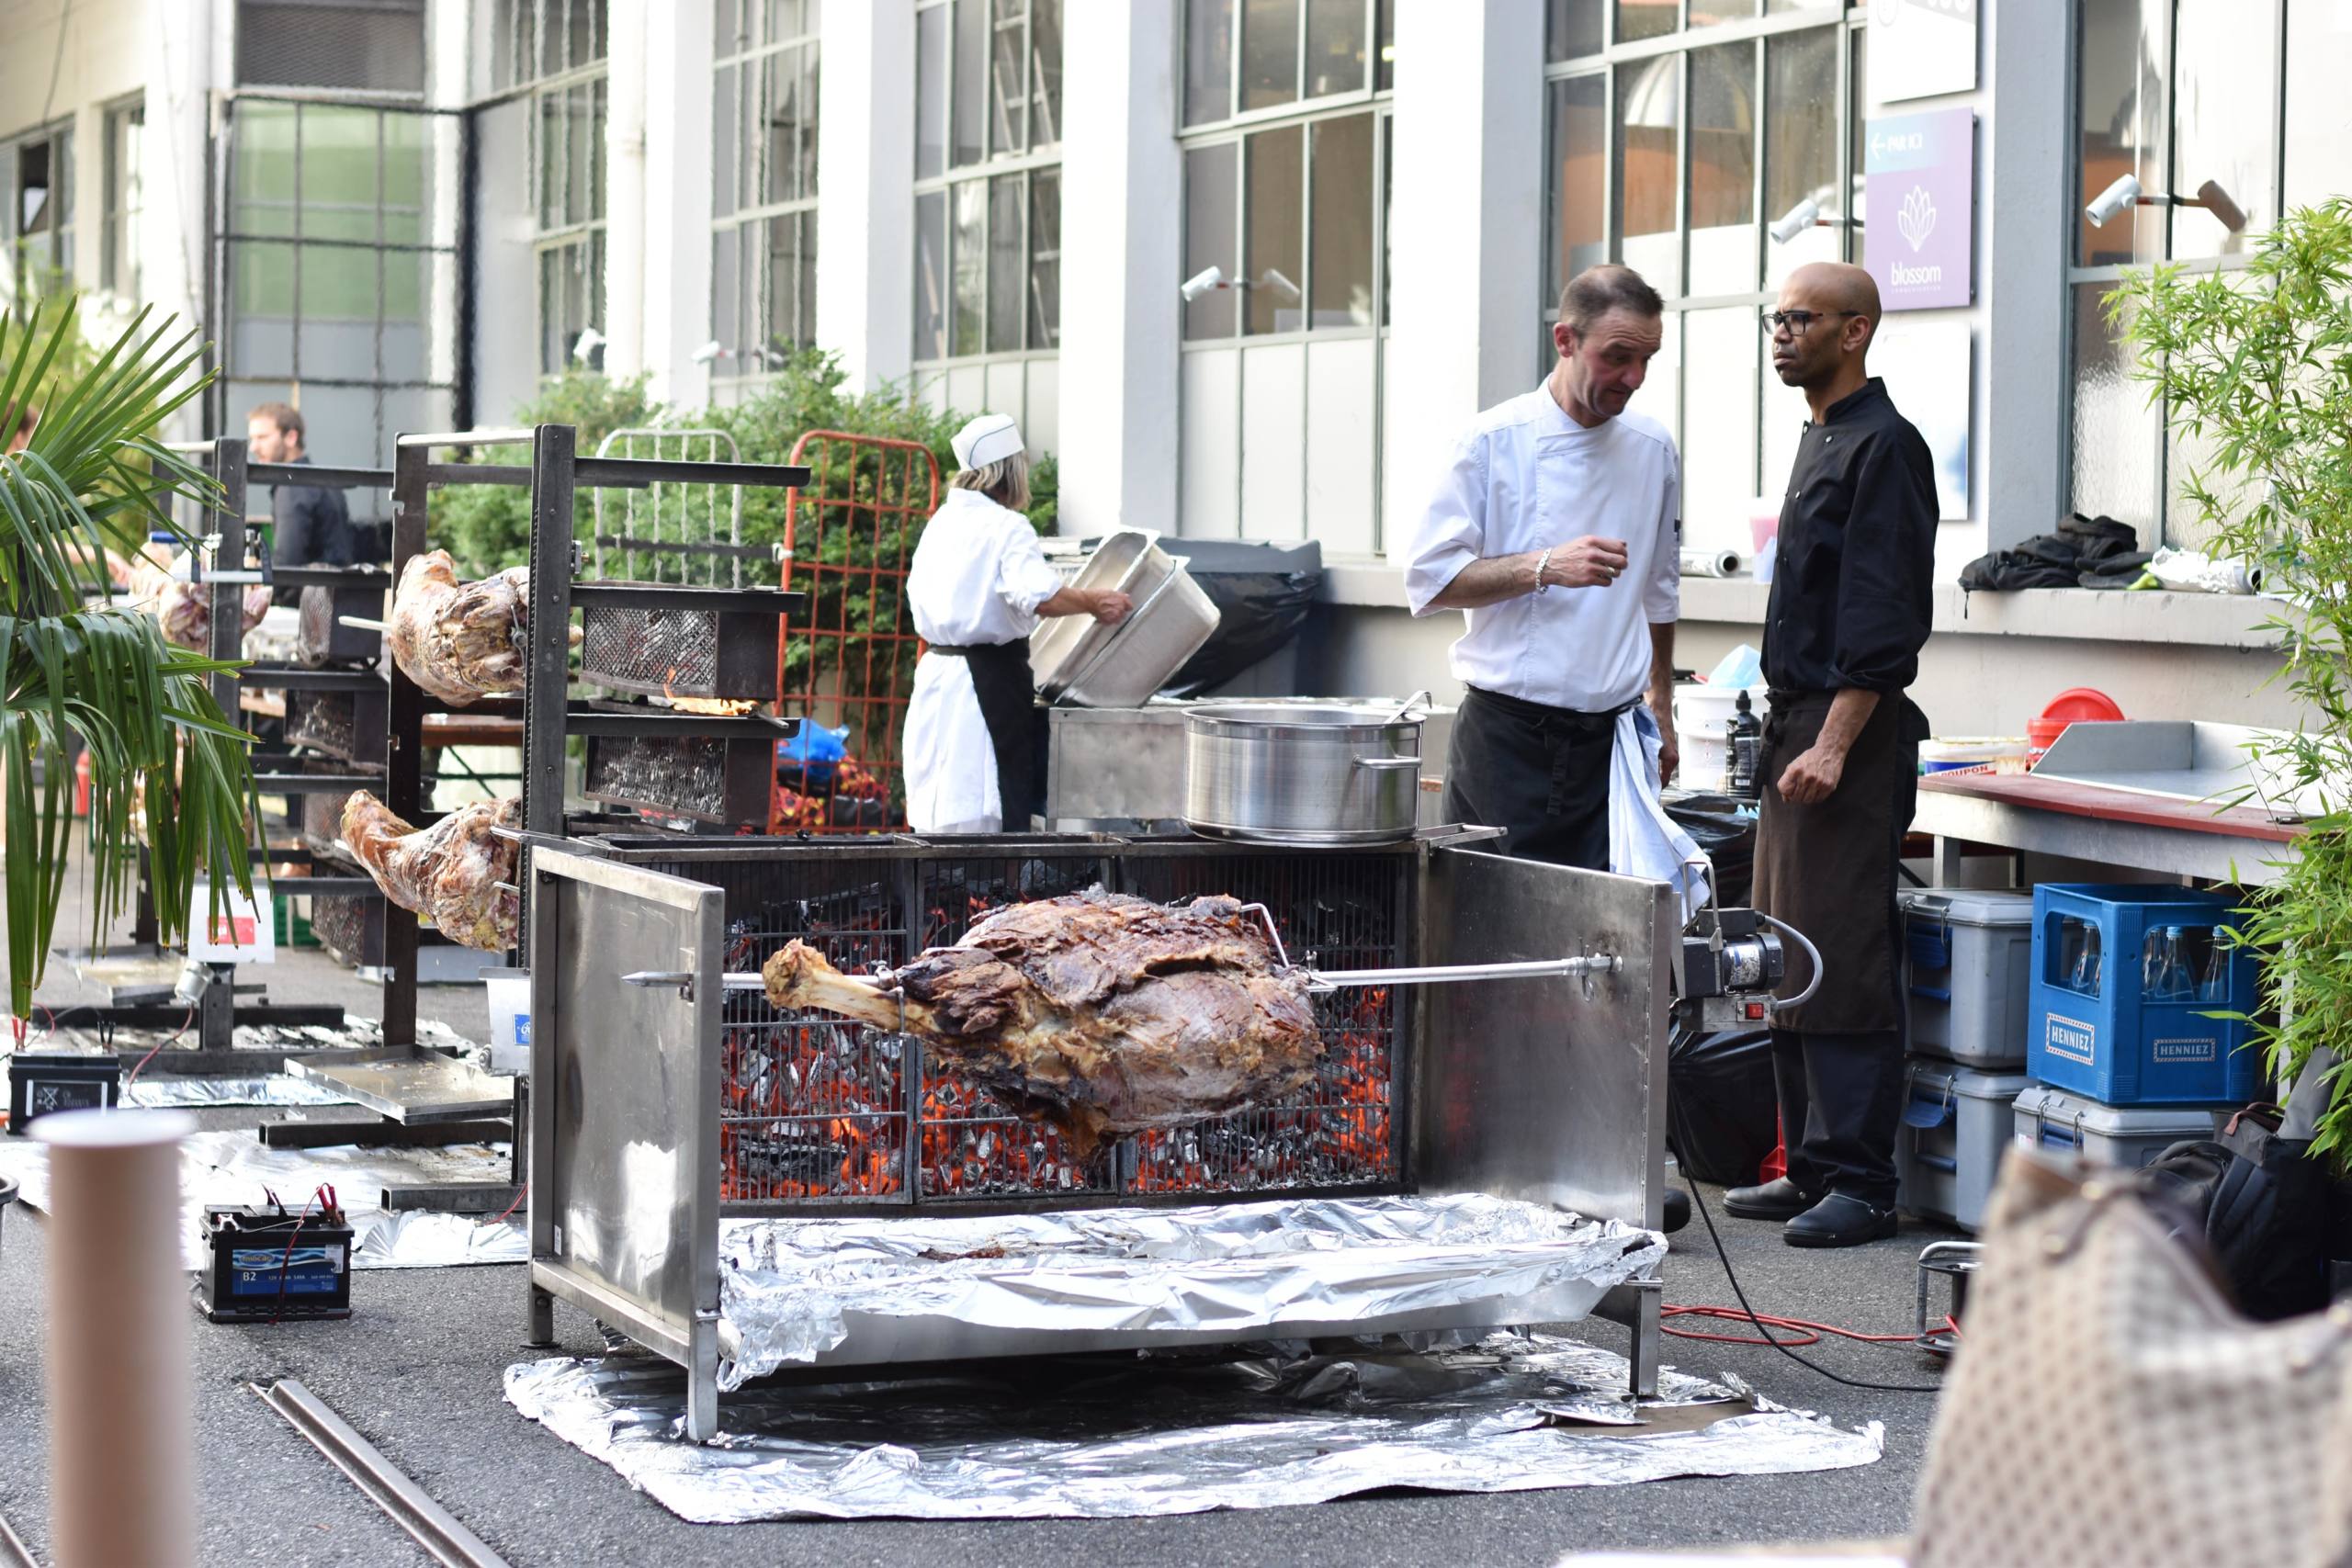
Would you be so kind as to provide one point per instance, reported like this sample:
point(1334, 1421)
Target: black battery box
point(40, 1082)
point(272, 1265)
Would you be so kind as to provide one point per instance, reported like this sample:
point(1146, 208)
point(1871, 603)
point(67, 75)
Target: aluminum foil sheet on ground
point(192, 1093)
point(232, 1166)
point(793, 1291)
point(1122, 1436)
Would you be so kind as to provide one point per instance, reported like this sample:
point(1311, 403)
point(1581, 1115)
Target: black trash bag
point(2263, 1202)
point(1723, 1114)
point(1718, 826)
point(1258, 614)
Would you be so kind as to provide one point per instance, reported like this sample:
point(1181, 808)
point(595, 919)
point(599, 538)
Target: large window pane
point(930, 275)
point(1208, 61)
point(1045, 73)
point(809, 65)
point(1722, 169)
point(779, 119)
point(1571, 27)
point(1649, 115)
point(931, 92)
point(1335, 47)
point(1268, 53)
point(1272, 255)
point(2319, 111)
point(1646, 18)
point(1719, 424)
point(2225, 101)
point(726, 132)
point(971, 81)
point(1007, 92)
point(1210, 181)
point(1800, 144)
point(727, 301)
point(1045, 259)
point(263, 201)
point(2121, 89)
point(338, 178)
point(1579, 236)
point(1708, 13)
point(971, 266)
point(1007, 276)
point(1341, 289)
point(2115, 433)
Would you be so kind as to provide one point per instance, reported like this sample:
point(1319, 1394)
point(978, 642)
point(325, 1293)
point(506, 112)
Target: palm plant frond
point(94, 477)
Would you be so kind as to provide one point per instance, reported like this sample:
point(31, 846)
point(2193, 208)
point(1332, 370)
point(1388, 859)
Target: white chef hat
point(990, 438)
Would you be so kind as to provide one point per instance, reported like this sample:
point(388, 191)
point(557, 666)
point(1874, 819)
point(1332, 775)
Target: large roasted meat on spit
point(449, 872)
point(460, 640)
point(1102, 1013)
point(184, 609)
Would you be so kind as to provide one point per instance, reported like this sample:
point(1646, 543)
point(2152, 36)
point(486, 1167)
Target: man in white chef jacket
point(977, 586)
point(1556, 534)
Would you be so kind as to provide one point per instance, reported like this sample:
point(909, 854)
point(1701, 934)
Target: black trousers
point(1539, 774)
point(1841, 1096)
point(1008, 698)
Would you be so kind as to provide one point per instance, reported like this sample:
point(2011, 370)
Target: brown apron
point(1829, 869)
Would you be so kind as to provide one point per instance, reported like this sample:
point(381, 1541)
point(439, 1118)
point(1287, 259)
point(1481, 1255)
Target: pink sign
point(1919, 196)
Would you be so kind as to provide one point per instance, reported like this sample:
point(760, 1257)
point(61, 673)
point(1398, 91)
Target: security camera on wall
point(1796, 220)
point(1201, 283)
point(2123, 193)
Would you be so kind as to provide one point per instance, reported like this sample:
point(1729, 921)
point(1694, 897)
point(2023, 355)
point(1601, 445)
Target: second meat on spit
point(449, 872)
point(1101, 1013)
point(461, 640)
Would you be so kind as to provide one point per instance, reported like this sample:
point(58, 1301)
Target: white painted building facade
point(403, 212)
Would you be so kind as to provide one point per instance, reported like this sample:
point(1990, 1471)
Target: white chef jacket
point(978, 578)
point(1527, 475)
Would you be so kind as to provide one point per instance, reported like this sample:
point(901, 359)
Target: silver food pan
point(1077, 659)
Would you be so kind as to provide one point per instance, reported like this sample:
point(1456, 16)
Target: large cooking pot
point(1337, 772)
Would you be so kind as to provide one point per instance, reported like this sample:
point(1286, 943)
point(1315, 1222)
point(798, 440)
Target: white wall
point(866, 167)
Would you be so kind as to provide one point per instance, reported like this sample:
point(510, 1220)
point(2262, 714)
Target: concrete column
point(674, 302)
point(628, 236)
point(2029, 203)
point(178, 64)
point(865, 204)
point(1466, 252)
point(1122, 258)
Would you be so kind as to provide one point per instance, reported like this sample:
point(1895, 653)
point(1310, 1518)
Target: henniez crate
point(2126, 982)
point(1968, 963)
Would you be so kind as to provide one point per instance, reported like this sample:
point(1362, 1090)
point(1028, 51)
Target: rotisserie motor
point(460, 640)
point(449, 872)
point(1102, 1013)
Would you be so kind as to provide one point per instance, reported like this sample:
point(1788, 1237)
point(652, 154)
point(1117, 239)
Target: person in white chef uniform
point(980, 583)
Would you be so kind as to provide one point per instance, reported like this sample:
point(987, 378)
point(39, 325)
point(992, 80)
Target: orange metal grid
point(848, 538)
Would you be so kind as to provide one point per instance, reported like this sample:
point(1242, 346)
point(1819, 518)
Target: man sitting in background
point(313, 524)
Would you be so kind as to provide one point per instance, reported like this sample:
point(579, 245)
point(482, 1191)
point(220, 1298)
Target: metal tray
point(2175, 760)
point(1078, 659)
point(409, 1083)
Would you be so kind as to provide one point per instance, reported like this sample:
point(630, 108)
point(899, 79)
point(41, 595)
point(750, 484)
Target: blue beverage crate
point(2116, 1044)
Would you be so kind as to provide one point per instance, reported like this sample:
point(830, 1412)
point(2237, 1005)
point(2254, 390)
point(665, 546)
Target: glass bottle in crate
point(2084, 977)
point(2165, 976)
point(2070, 952)
point(2215, 986)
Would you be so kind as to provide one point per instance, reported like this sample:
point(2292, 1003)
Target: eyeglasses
point(1800, 322)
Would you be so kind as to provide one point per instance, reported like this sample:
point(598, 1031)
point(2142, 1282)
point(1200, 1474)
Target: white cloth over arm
point(1643, 839)
point(1526, 477)
point(978, 578)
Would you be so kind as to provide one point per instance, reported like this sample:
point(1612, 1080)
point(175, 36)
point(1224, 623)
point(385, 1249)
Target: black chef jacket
point(1851, 591)
point(313, 528)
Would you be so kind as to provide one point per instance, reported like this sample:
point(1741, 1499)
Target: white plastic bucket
point(510, 1018)
point(1702, 720)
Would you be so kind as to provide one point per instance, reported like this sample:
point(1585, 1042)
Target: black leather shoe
point(1838, 1221)
point(1780, 1199)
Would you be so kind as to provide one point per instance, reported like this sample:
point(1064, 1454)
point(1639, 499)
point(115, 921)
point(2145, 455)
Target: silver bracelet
point(1542, 562)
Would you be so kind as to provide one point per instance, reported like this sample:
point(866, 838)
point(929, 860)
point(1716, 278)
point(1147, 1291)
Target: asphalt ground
point(417, 1368)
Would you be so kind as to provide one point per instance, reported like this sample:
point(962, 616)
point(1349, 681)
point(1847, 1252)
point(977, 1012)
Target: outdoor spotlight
point(587, 344)
point(1288, 288)
point(1796, 220)
point(2123, 193)
point(2214, 200)
point(1200, 282)
point(707, 352)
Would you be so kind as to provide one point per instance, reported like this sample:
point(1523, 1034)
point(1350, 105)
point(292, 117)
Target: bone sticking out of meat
point(449, 872)
point(1102, 1013)
point(461, 640)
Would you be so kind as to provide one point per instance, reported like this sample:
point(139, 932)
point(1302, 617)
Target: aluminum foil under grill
point(797, 1291)
point(1270, 1427)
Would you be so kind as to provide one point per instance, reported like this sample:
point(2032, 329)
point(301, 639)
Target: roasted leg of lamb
point(449, 872)
point(1101, 1013)
point(459, 640)
point(185, 609)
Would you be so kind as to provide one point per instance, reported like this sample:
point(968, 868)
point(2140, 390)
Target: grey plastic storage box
point(1967, 965)
point(1956, 1122)
point(2125, 1136)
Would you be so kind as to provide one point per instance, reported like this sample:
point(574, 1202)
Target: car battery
point(40, 1082)
point(268, 1264)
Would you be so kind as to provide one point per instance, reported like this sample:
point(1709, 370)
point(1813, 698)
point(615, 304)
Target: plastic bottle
point(2084, 978)
point(1745, 736)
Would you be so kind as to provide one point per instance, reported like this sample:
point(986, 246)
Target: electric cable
point(1750, 1315)
point(1811, 952)
point(150, 1056)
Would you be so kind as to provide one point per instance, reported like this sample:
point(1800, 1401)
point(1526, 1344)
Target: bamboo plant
point(77, 661)
point(2258, 369)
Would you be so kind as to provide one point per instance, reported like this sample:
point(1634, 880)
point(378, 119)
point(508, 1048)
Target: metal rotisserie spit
point(677, 1114)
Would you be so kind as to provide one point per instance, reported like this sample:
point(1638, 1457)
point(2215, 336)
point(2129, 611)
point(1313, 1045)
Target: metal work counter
point(2091, 822)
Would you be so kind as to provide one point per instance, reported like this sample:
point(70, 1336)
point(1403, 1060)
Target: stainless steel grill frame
point(673, 652)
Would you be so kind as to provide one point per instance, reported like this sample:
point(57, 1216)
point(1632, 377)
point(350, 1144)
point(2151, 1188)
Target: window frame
point(63, 215)
point(580, 241)
point(1847, 20)
point(2160, 430)
point(743, 224)
point(1026, 163)
point(119, 209)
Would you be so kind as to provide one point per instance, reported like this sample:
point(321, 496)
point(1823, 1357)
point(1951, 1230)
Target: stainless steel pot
point(1337, 772)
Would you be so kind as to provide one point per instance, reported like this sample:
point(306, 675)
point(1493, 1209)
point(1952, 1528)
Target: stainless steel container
point(1301, 773)
point(1077, 659)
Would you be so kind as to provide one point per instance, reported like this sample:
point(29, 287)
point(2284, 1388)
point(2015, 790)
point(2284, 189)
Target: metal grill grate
point(654, 651)
point(816, 1108)
point(726, 782)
